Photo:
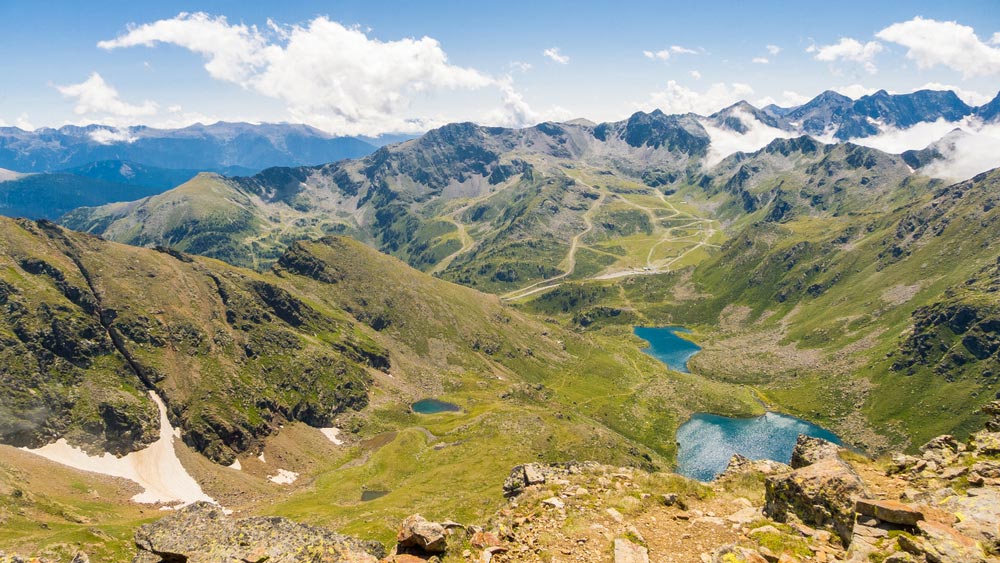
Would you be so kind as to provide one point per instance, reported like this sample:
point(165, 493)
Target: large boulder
point(890, 511)
point(203, 533)
point(822, 494)
point(808, 450)
point(419, 535)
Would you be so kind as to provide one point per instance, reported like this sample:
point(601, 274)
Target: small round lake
point(433, 406)
point(707, 441)
point(666, 346)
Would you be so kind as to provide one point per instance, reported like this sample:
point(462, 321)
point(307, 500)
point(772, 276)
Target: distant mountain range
point(232, 148)
point(72, 166)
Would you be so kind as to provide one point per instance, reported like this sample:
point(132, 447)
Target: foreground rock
point(822, 494)
point(202, 533)
point(418, 535)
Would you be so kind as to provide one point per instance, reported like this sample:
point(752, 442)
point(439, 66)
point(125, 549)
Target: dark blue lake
point(433, 406)
point(707, 441)
point(666, 346)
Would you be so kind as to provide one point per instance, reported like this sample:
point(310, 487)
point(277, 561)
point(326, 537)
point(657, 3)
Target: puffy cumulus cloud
point(968, 147)
point(232, 52)
point(95, 97)
point(515, 111)
point(773, 50)
point(664, 54)
point(970, 97)
point(695, 74)
point(848, 49)
point(760, 60)
point(725, 142)
point(329, 75)
point(554, 54)
point(676, 98)
point(931, 43)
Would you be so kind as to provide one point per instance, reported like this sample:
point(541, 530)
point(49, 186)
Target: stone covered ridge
point(203, 533)
point(830, 504)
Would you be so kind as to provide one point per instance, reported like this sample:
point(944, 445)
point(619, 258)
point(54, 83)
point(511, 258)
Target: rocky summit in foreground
point(830, 504)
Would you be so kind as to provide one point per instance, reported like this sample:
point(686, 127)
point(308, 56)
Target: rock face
point(524, 476)
point(202, 533)
point(822, 494)
point(809, 450)
point(418, 535)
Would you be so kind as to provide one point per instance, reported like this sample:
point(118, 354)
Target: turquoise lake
point(707, 441)
point(433, 406)
point(666, 346)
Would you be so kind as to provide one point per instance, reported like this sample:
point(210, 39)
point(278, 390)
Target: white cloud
point(968, 155)
point(331, 76)
point(965, 155)
point(970, 97)
point(849, 49)
point(773, 50)
point(760, 60)
point(725, 142)
point(521, 66)
point(931, 43)
point(554, 54)
point(789, 98)
point(676, 98)
point(695, 74)
point(995, 40)
point(95, 97)
point(664, 54)
point(515, 111)
point(108, 136)
point(854, 91)
point(24, 122)
point(895, 141)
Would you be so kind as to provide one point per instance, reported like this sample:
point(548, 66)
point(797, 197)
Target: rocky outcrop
point(808, 450)
point(203, 533)
point(524, 476)
point(739, 465)
point(822, 494)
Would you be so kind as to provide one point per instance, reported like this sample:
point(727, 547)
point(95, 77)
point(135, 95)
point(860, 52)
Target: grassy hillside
point(337, 334)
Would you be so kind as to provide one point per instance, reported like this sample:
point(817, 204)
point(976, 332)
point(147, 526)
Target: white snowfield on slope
point(156, 468)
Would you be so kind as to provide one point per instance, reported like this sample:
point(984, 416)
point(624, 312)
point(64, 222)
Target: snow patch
point(156, 468)
point(283, 477)
point(236, 465)
point(8, 175)
point(261, 458)
point(333, 435)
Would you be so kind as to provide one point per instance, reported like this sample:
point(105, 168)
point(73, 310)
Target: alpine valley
point(266, 303)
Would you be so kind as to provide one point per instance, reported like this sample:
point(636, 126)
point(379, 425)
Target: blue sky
point(352, 72)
